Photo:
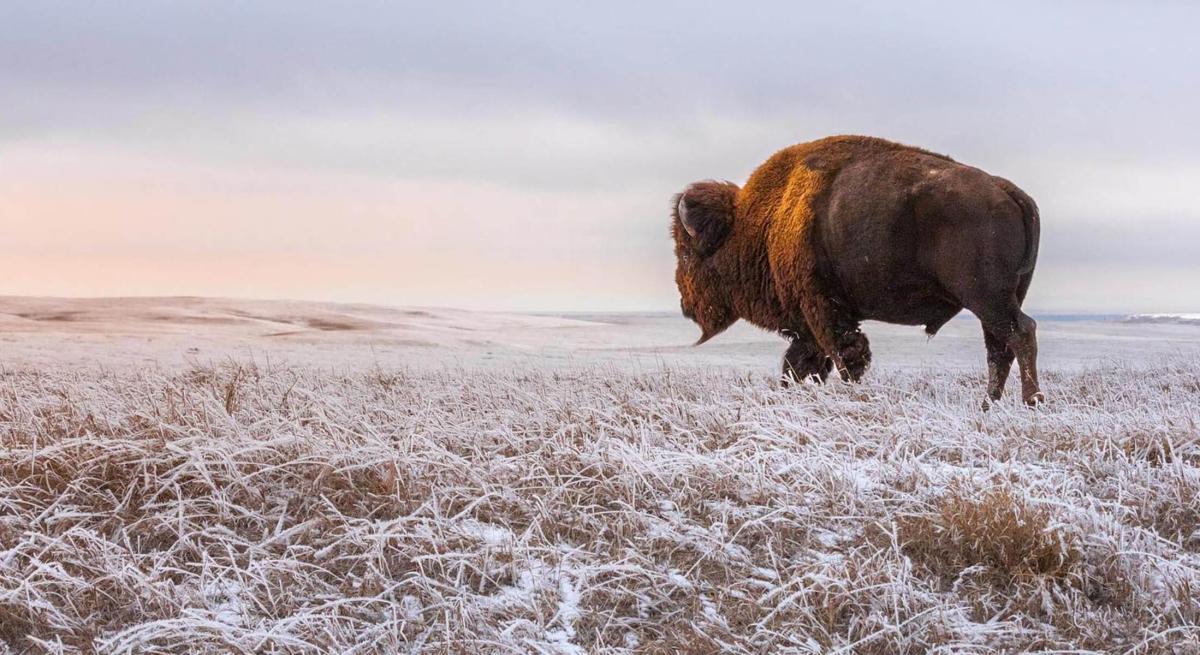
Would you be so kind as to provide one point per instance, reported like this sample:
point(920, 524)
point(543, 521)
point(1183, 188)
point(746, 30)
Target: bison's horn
point(681, 211)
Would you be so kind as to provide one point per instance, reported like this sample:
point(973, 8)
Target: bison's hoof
point(1035, 399)
point(986, 404)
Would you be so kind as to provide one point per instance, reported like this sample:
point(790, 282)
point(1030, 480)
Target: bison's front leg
point(804, 361)
point(855, 350)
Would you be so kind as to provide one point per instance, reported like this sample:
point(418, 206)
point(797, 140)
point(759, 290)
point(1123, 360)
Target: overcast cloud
point(522, 155)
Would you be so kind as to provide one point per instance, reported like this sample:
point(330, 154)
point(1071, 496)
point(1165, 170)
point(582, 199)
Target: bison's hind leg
point(804, 360)
point(999, 362)
point(1013, 329)
point(1009, 334)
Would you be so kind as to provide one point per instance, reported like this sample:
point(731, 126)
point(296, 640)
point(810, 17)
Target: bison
point(830, 233)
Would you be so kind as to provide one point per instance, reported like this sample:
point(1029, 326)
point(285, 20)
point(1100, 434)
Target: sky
point(522, 156)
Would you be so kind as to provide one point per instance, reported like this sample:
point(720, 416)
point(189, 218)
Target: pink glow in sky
point(523, 157)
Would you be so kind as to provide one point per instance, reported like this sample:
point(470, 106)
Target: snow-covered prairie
point(167, 333)
point(192, 475)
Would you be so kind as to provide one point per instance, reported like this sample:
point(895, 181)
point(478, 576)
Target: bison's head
point(701, 222)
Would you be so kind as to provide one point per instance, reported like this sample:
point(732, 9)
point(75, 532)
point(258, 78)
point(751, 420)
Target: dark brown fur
point(829, 233)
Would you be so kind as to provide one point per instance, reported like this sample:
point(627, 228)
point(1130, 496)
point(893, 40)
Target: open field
point(169, 333)
point(301, 477)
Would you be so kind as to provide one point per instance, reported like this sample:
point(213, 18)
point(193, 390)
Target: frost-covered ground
point(259, 494)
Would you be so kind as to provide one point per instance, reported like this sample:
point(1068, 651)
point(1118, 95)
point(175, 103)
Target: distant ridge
point(1178, 319)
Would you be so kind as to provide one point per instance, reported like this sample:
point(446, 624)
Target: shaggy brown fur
point(832, 232)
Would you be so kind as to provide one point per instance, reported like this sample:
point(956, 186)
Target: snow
point(1183, 319)
point(223, 598)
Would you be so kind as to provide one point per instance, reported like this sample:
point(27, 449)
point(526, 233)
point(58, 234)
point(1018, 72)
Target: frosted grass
point(297, 510)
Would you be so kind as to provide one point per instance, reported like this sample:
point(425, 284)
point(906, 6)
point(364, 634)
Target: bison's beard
point(706, 334)
point(710, 329)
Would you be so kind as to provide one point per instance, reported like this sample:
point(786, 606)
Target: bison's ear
point(705, 212)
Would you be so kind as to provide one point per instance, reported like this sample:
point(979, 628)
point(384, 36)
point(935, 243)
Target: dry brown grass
point(241, 509)
point(996, 529)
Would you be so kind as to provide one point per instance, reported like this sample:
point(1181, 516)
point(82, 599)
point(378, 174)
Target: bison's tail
point(1033, 225)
